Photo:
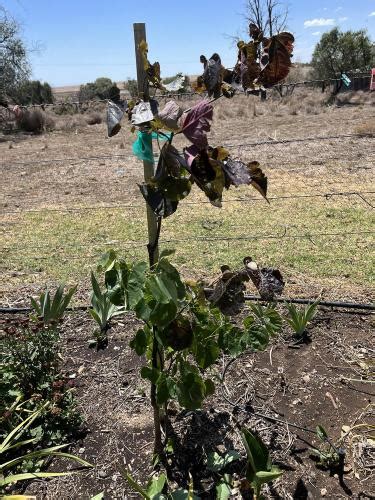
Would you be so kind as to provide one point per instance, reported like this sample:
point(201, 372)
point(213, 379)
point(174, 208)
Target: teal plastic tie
point(142, 146)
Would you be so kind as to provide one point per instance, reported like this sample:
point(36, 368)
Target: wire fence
point(358, 82)
point(48, 161)
point(327, 196)
point(25, 251)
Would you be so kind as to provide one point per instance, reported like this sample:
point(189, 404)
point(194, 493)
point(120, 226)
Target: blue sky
point(81, 40)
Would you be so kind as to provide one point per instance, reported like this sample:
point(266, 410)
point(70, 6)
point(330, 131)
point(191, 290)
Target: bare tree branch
point(269, 15)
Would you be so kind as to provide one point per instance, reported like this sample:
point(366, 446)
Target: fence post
point(148, 168)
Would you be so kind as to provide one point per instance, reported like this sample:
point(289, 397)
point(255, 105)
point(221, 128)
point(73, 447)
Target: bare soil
point(324, 382)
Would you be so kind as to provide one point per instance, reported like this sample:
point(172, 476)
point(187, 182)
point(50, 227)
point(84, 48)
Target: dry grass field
point(70, 194)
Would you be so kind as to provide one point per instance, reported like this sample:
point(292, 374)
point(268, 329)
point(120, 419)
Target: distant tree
point(14, 67)
point(131, 86)
point(269, 15)
point(339, 51)
point(102, 88)
point(32, 92)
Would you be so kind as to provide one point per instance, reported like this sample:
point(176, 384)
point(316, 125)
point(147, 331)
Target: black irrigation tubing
point(322, 303)
point(230, 200)
point(250, 144)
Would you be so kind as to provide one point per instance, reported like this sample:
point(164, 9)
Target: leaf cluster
point(327, 454)
point(102, 311)
point(30, 380)
point(260, 469)
point(51, 310)
point(299, 318)
point(14, 441)
point(157, 489)
point(182, 331)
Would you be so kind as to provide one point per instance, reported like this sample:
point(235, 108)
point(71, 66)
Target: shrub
point(102, 88)
point(71, 123)
point(132, 87)
point(94, 118)
point(36, 121)
point(31, 381)
point(366, 129)
point(32, 92)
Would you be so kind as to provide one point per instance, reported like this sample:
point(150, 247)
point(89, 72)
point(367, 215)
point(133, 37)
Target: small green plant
point(51, 310)
point(217, 463)
point(328, 454)
point(157, 489)
point(14, 440)
point(103, 310)
point(260, 469)
point(298, 319)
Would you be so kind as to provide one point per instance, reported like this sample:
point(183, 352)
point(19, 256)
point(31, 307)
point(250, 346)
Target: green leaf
point(182, 494)
point(140, 342)
point(32, 475)
point(165, 388)
point(95, 316)
point(191, 391)
point(143, 310)
point(95, 286)
point(151, 374)
point(166, 253)
point(210, 387)
point(99, 496)
point(56, 302)
point(206, 353)
point(166, 267)
point(257, 338)
point(155, 485)
point(66, 300)
point(116, 295)
point(136, 486)
point(223, 489)
point(257, 452)
point(163, 314)
point(268, 476)
point(135, 284)
point(161, 289)
point(321, 433)
point(216, 462)
point(233, 341)
point(110, 278)
point(106, 261)
point(36, 306)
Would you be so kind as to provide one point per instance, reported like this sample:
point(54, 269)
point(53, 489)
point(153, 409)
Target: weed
point(52, 310)
point(260, 469)
point(16, 468)
point(299, 318)
point(103, 310)
point(94, 118)
point(328, 454)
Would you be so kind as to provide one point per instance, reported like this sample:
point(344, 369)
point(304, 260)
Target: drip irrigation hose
point(322, 303)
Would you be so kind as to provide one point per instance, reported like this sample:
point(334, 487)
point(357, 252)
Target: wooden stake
point(143, 91)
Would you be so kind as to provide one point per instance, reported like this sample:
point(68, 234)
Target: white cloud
point(372, 14)
point(338, 9)
point(318, 22)
point(342, 19)
point(317, 33)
